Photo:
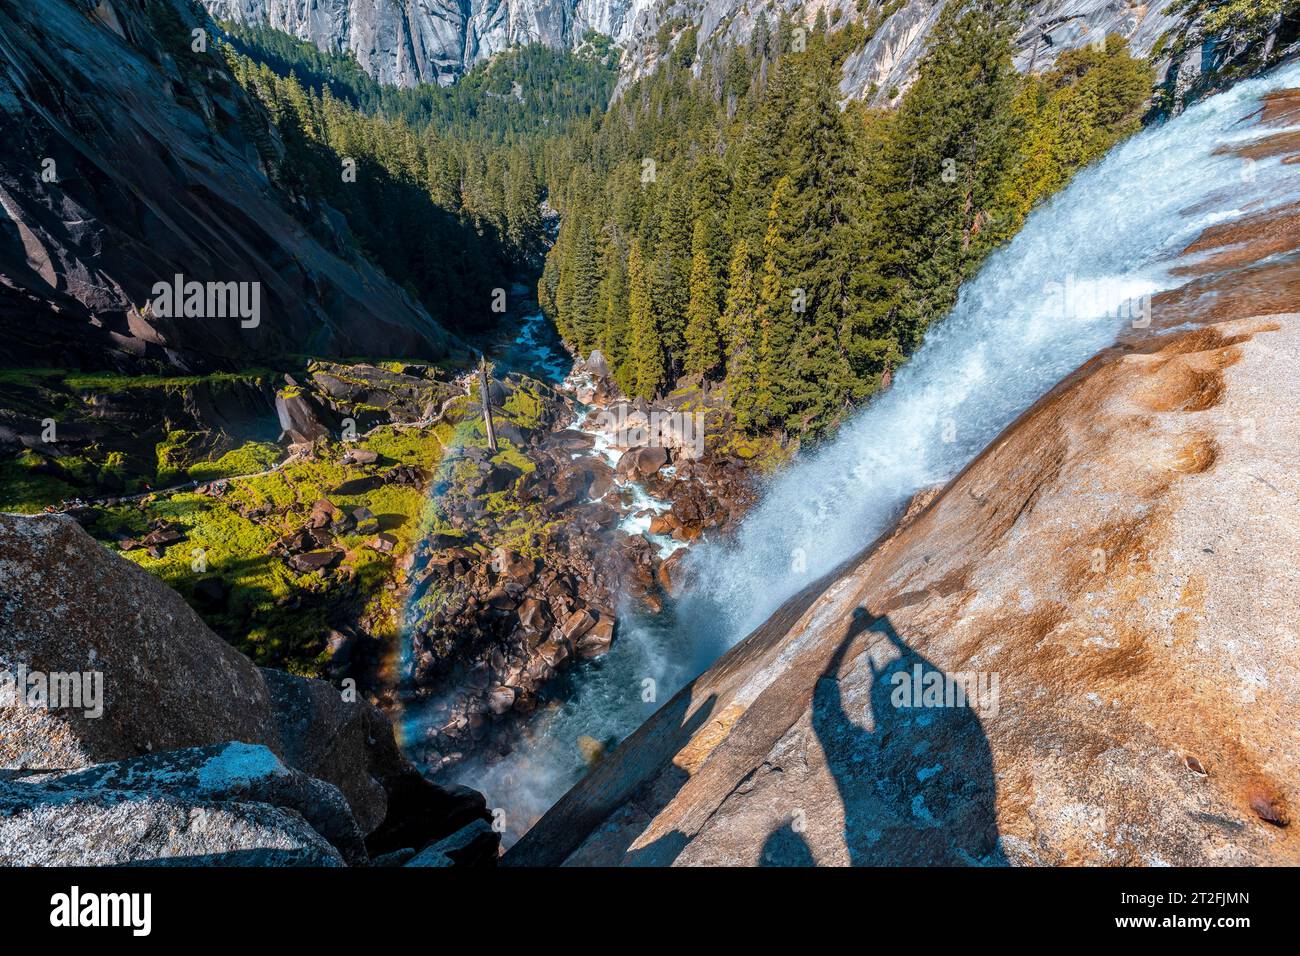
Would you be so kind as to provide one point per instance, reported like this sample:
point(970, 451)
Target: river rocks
point(576, 625)
point(641, 463)
point(570, 440)
point(595, 639)
point(670, 571)
point(500, 699)
point(499, 477)
point(493, 624)
point(596, 365)
point(499, 630)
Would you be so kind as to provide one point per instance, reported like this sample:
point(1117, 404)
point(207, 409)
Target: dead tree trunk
point(486, 396)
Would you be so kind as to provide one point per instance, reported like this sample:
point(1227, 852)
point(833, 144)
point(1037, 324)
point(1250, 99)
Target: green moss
point(174, 455)
point(181, 458)
point(26, 491)
point(508, 454)
point(110, 382)
point(275, 615)
point(247, 459)
point(29, 377)
point(524, 408)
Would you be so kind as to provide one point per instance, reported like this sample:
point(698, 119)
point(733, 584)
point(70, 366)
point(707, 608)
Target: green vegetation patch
point(277, 616)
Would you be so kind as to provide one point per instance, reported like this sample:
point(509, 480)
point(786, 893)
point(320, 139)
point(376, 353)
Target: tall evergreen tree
point(585, 323)
point(645, 355)
point(777, 327)
point(613, 309)
point(955, 139)
point(741, 324)
point(703, 345)
point(672, 270)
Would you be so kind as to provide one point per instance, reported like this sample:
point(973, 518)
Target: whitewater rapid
point(1084, 267)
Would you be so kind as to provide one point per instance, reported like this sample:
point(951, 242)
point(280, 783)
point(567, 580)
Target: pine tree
point(777, 331)
point(703, 348)
point(585, 324)
point(672, 272)
point(741, 324)
point(646, 353)
point(523, 219)
point(822, 247)
point(613, 309)
point(955, 137)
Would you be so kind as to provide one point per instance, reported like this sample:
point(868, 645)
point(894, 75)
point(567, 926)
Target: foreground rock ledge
point(1122, 557)
point(179, 705)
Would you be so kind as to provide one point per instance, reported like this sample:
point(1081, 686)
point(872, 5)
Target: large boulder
point(166, 682)
point(641, 462)
point(69, 605)
point(597, 365)
point(301, 421)
point(231, 804)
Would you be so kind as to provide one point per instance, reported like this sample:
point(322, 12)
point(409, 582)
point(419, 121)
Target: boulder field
point(530, 564)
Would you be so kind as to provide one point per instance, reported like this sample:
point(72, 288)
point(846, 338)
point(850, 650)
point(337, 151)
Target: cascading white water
point(1083, 266)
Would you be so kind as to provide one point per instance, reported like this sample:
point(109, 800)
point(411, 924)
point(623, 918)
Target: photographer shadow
point(916, 780)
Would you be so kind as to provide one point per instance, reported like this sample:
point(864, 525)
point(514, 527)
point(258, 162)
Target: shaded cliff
point(131, 158)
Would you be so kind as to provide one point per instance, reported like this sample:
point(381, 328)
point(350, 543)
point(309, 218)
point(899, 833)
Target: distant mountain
point(405, 42)
point(409, 41)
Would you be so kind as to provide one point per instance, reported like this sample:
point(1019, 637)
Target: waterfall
point(1084, 267)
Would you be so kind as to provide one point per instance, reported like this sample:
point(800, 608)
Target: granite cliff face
point(405, 42)
point(130, 159)
point(887, 64)
point(435, 40)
